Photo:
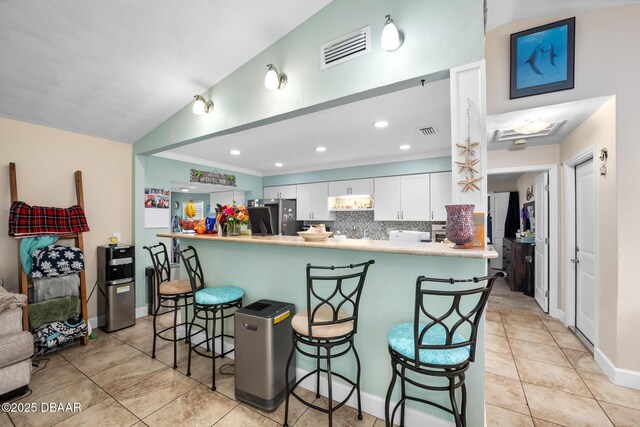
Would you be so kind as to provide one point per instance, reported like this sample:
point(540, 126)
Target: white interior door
point(499, 206)
point(584, 260)
point(541, 221)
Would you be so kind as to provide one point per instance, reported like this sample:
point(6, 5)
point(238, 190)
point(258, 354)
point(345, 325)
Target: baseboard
point(619, 376)
point(561, 316)
point(371, 403)
point(142, 311)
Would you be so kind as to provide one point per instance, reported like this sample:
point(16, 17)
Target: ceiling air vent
point(345, 48)
point(511, 134)
point(427, 130)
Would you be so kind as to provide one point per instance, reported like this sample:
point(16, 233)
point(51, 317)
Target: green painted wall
point(435, 164)
point(158, 173)
point(387, 299)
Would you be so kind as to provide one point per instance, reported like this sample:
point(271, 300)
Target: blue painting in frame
point(542, 59)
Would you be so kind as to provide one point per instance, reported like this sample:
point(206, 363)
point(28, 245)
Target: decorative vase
point(460, 225)
point(233, 228)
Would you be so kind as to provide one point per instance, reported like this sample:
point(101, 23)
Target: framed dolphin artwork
point(542, 59)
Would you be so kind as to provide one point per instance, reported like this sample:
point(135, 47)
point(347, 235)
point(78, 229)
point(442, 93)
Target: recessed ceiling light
point(184, 190)
point(404, 147)
point(235, 152)
point(321, 149)
point(381, 124)
point(279, 165)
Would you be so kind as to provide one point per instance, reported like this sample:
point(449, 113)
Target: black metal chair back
point(335, 292)
point(191, 263)
point(459, 322)
point(160, 261)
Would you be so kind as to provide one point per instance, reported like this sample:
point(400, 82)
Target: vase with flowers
point(231, 218)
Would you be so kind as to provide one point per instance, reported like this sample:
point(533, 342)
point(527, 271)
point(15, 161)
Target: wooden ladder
point(79, 243)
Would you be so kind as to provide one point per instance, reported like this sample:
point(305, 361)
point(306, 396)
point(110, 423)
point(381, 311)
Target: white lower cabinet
point(402, 198)
point(312, 202)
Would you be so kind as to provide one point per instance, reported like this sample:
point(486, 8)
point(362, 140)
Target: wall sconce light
point(391, 38)
point(201, 106)
point(274, 80)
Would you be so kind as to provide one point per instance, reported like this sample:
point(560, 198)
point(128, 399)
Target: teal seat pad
point(215, 295)
point(400, 339)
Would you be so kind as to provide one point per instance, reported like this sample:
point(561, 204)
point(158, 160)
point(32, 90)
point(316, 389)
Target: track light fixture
point(201, 106)
point(274, 80)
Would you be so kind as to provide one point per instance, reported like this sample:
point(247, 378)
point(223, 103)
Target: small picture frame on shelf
point(543, 59)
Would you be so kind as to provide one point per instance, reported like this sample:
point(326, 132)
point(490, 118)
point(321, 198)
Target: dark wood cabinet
point(517, 262)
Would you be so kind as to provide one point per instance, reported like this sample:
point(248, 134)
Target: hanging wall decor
point(214, 177)
point(469, 161)
point(542, 59)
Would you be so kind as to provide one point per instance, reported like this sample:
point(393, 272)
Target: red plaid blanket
point(29, 221)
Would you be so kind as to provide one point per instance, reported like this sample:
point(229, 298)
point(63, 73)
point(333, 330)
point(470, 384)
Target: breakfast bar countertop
point(408, 248)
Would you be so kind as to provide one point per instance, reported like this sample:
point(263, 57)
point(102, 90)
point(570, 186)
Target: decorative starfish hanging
point(468, 148)
point(469, 165)
point(470, 184)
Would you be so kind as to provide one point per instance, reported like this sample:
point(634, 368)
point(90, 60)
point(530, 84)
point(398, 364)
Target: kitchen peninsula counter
point(274, 267)
point(408, 248)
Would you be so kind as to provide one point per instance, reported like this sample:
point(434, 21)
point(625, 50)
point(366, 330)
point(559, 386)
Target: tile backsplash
point(355, 224)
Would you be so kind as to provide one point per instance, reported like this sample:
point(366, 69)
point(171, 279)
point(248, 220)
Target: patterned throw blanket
point(56, 260)
point(27, 221)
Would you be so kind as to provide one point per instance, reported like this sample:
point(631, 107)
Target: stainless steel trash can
point(262, 346)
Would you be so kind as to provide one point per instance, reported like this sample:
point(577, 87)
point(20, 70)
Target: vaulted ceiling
point(117, 69)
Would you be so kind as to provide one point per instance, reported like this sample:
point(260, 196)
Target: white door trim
point(554, 234)
point(570, 236)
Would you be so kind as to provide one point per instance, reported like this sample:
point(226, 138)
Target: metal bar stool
point(333, 302)
point(209, 304)
point(171, 294)
point(442, 346)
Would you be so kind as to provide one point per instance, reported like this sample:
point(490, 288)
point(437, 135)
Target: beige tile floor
point(118, 384)
point(539, 374)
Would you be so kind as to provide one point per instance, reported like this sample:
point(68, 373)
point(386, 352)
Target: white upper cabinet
point(440, 195)
point(280, 192)
point(402, 198)
point(339, 188)
point(351, 187)
point(304, 202)
point(312, 202)
point(226, 198)
point(362, 187)
point(414, 198)
point(387, 198)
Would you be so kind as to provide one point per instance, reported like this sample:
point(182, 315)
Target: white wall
point(606, 64)
point(46, 160)
point(599, 131)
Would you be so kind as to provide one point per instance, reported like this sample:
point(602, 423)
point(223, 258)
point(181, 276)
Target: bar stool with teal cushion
point(438, 344)
point(210, 303)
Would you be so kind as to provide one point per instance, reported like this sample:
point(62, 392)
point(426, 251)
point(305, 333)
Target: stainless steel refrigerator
point(283, 215)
